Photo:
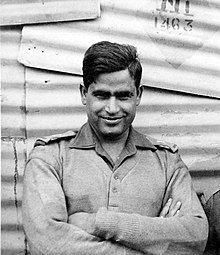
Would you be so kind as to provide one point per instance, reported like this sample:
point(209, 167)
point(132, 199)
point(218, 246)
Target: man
point(212, 210)
point(109, 189)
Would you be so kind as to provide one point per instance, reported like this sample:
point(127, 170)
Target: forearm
point(155, 235)
point(63, 238)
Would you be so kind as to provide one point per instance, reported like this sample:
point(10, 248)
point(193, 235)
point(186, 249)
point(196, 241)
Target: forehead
point(115, 81)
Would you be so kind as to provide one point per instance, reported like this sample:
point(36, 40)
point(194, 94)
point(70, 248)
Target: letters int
point(175, 5)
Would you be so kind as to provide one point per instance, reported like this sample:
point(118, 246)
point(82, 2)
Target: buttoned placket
point(114, 189)
point(120, 168)
point(115, 180)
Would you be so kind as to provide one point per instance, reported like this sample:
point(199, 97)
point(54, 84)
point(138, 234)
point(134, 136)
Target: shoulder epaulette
point(52, 138)
point(163, 144)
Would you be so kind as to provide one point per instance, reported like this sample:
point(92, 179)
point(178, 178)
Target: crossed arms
point(50, 230)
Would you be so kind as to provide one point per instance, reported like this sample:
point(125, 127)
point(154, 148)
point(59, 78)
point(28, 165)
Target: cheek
point(129, 107)
point(94, 107)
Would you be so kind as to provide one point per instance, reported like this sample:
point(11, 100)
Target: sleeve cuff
point(113, 225)
point(106, 223)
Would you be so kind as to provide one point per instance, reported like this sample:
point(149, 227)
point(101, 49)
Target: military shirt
point(71, 173)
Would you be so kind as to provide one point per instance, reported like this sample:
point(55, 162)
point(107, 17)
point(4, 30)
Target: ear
point(139, 95)
point(83, 92)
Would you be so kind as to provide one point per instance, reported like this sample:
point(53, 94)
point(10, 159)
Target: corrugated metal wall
point(13, 146)
point(181, 55)
point(37, 102)
point(37, 11)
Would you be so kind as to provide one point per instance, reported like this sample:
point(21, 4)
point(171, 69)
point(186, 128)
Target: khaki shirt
point(71, 173)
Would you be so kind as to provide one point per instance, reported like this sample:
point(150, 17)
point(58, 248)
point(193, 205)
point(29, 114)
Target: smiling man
point(111, 107)
point(109, 189)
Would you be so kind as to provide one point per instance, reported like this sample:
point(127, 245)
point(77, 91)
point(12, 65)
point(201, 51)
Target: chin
point(114, 135)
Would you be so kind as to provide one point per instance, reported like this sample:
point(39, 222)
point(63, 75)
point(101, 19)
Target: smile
point(112, 120)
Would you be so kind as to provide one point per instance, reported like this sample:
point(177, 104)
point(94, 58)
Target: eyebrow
point(123, 93)
point(100, 92)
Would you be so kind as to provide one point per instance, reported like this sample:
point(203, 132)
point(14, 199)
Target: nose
point(112, 106)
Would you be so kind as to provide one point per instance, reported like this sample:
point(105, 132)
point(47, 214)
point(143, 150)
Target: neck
point(113, 145)
point(111, 140)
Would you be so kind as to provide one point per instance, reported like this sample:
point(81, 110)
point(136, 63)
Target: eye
point(101, 95)
point(123, 98)
point(124, 95)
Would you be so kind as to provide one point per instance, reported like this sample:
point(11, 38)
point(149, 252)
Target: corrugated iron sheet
point(13, 148)
point(40, 102)
point(177, 57)
point(12, 84)
point(13, 155)
point(44, 11)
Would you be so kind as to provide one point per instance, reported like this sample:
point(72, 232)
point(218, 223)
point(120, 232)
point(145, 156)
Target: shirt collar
point(140, 140)
point(86, 139)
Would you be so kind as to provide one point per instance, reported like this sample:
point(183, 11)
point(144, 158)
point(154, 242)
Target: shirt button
point(114, 190)
point(116, 177)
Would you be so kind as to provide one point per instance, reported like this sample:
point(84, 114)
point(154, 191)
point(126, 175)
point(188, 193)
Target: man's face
point(111, 104)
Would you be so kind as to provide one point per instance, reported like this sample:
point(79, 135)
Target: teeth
point(111, 118)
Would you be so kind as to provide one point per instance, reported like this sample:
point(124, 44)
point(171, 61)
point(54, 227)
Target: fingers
point(175, 210)
point(166, 208)
point(177, 213)
point(168, 212)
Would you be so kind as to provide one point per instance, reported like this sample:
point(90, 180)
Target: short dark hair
point(107, 57)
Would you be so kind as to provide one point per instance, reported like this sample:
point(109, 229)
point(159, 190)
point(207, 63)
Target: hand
point(85, 221)
point(168, 212)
